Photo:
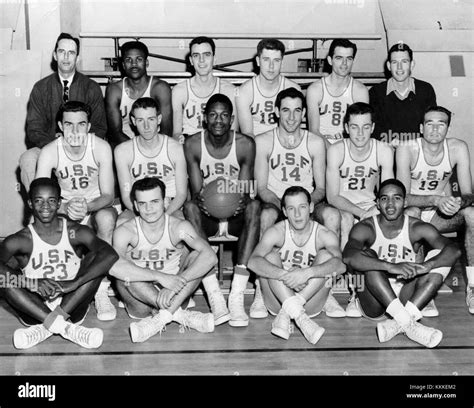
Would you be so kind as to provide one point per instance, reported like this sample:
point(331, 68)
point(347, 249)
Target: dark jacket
point(45, 100)
point(395, 116)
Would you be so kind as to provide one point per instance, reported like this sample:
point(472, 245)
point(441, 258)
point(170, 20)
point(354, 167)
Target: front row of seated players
point(59, 266)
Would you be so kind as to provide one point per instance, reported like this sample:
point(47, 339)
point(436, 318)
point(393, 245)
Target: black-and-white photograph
point(237, 188)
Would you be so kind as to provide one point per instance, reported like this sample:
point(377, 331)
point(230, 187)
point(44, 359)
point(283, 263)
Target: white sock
point(239, 282)
point(211, 284)
point(167, 316)
point(292, 306)
point(399, 313)
point(59, 325)
point(177, 315)
point(413, 310)
point(470, 275)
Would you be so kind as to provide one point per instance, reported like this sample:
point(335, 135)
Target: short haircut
point(292, 93)
point(43, 182)
point(292, 191)
point(203, 40)
point(218, 98)
point(270, 44)
point(435, 108)
point(359, 108)
point(392, 182)
point(145, 103)
point(74, 106)
point(400, 47)
point(146, 184)
point(67, 36)
point(133, 45)
point(344, 43)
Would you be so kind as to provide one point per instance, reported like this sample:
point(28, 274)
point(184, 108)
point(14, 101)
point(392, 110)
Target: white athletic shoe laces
point(83, 336)
point(26, 338)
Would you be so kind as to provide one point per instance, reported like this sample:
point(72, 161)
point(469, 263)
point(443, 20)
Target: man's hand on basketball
point(244, 200)
point(403, 270)
point(449, 205)
point(200, 203)
point(174, 283)
point(164, 298)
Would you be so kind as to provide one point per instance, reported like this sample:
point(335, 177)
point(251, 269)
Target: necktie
point(65, 91)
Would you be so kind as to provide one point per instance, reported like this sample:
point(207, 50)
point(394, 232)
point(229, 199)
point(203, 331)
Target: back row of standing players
point(284, 153)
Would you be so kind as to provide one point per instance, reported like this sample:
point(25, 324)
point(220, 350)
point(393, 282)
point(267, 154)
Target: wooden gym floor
point(349, 347)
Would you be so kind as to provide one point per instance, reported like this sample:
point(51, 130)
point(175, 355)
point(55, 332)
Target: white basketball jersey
point(394, 250)
point(290, 167)
point(302, 256)
point(78, 177)
point(332, 111)
point(193, 113)
point(58, 262)
point(154, 166)
point(212, 168)
point(126, 106)
point(160, 256)
point(427, 179)
point(358, 179)
point(263, 107)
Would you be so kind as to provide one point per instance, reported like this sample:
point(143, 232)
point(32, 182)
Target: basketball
point(221, 198)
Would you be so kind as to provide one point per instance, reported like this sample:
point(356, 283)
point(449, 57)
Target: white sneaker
point(83, 336)
point(238, 317)
point(332, 308)
point(218, 307)
point(281, 325)
point(424, 335)
point(430, 310)
point(202, 322)
point(145, 328)
point(387, 330)
point(310, 329)
point(470, 299)
point(258, 309)
point(353, 308)
point(28, 337)
point(105, 309)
